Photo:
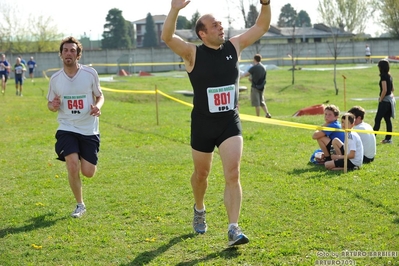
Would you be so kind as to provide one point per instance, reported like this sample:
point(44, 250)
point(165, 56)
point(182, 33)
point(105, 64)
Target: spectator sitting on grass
point(368, 139)
point(355, 148)
point(324, 137)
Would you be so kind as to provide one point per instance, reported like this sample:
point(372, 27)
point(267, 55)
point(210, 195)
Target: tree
point(116, 31)
point(252, 16)
point(288, 16)
point(241, 6)
point(339, 15)
point(295, 51)
point(182, 23)
point(43, 35)
point(349, 15)
point(131, 34)
point(389, 15)
point(150, 36)
point(303, 19)
point(194, 19)
point(17, 36)
point(244, 15)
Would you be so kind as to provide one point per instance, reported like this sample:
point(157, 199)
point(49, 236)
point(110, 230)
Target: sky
point(88, 16)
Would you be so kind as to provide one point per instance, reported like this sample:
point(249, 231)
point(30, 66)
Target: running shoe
point(268, 115)
point(79, 211)
point(236, 237)
point(386, 141)
point(199, 223)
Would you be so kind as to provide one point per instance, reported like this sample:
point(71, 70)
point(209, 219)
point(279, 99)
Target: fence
point(163, 59)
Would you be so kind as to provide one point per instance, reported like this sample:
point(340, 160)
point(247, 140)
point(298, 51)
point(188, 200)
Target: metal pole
point(344, 92)
point(156, 104)
point(346, 145)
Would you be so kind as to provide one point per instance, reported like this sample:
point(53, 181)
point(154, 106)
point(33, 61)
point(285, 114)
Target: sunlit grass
point(140, 201)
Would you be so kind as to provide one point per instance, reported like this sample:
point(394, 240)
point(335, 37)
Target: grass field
point(140, 201)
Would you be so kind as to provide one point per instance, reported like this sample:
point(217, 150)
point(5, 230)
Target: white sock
point(200, 210)
point(233, 225)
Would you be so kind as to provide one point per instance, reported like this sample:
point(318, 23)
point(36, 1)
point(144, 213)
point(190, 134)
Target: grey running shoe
point(199, 223)
point(236, 237)
point(79, 211)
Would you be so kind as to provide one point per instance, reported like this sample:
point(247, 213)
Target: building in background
point(140, 29)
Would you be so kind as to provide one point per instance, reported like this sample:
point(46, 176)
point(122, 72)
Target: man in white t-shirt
point(368, 139)
point(75, 94)
point(354, 152)
point(368, 54)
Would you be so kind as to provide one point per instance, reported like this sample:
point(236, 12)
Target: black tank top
point(213, 69)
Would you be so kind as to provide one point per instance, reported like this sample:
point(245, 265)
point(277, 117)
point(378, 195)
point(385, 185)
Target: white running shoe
point(79, 211)
point(236, 237)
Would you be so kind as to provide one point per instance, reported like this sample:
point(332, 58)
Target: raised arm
point(254, 33)
point(182, 48)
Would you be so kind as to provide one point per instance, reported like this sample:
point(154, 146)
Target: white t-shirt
point(77, 94)
point(368, 140)
point(355, 144)
point(367, 51)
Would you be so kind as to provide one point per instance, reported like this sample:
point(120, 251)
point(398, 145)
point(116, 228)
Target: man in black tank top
point(213, 71)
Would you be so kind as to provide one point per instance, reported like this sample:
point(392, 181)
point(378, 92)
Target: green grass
point(140, 201)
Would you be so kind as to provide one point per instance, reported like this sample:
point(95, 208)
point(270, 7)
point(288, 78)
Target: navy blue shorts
point(19, 80)
point(70, 142)
point(208, 132)
point(5, 77)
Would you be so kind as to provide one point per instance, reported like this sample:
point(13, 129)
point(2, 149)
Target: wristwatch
point(265, 4)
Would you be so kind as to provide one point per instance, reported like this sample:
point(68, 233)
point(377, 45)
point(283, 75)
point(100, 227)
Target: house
point(318, 33)
point(140, 29)
point(275, 35)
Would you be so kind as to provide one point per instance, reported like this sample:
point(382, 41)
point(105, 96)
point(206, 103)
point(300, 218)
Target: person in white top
point(368, 139)
point(355, 148)
point(368, 54)
point(75, 93)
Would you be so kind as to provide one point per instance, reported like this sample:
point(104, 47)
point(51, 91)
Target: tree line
point(42, 34)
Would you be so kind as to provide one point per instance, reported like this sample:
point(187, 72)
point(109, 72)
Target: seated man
point(355, 148)
point(324, 137)
point(368, 139)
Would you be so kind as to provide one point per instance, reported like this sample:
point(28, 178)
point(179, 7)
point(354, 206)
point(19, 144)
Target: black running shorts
point(70, 142)
point(208, 132)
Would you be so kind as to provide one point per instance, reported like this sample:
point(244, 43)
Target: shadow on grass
point(372, 203)
point(147, 256)
point(145, 133)
point(315, 168)
point(227, 253)
point(34, 223)
point(285, 88)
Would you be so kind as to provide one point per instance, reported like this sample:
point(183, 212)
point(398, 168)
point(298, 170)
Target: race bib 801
point(221, 99)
